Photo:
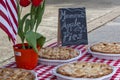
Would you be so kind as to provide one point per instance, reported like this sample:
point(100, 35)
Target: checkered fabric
point(44, 72)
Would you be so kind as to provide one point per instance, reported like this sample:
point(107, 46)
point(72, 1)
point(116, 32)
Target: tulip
point(25, 3)
point(36, 2)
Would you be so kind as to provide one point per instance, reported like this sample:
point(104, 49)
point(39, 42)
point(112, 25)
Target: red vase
point(25, 58)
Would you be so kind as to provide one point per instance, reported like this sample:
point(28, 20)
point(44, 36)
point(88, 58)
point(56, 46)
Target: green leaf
point(40, 39)
point(31, 39)
point(33, 15)
point(35, 39)
point(24, 18)
point(40, 12)
point(32, 24)
point(27, 25)
point(21, 33)
point(21, 26)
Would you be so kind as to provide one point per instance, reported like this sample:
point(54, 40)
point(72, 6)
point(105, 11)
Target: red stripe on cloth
point(81, 47)
point(47, 76)
point(6, 30)
point(102, 60)
point(83, 55)
point(118, 71)
point(14, 5)
point(10, 65)
point(75, 46)
point(95, 60)
point(116, 63)
point(43, 73)
point(115, 75)
point(45, 70)
point(88, 58)
point(3, 3)
point(7, 15)
point(109, 62)
point(55, 43)
point(37, 68)
point(4, 15)
point(13, 17)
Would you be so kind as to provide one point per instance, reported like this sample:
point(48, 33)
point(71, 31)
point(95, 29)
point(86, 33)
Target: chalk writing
point(73, 26)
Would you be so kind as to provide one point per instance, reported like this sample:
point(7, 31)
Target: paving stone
point(117, 20)
point(106, 33)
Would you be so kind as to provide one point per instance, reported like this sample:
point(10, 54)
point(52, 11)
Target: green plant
point(28, 24)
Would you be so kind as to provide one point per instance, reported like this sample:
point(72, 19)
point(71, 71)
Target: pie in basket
point(106, 47)
point(15, 74)
point(84, 70)
point(58, 53)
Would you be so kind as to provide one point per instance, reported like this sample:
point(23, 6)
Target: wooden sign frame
point(59, 33)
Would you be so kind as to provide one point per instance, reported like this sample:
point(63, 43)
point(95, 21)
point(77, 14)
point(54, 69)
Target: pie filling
point(84, 70)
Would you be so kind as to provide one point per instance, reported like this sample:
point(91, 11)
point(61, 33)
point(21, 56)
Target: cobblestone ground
point(48, 27)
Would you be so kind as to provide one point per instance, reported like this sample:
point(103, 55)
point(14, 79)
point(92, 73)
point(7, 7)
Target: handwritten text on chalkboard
point(73, 26)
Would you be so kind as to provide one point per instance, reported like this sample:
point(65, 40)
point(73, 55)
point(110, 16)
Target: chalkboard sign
point(72, 22)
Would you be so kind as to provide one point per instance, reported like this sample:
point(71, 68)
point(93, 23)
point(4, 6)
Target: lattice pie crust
point(15, 74)
point(84, 70)
point(58, 53)
point(105, 47)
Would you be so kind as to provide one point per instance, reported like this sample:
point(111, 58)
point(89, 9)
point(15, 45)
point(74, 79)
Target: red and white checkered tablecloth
point(44, 72)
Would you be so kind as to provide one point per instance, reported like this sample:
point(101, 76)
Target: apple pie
point(106, 47)
point(84, 70)
point(15, 74)
point(58, 53)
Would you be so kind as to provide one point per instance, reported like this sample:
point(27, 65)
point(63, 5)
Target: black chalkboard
point(73, 29)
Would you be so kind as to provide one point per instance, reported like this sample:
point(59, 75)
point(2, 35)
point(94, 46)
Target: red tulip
point(36, 2)
point(24, 3)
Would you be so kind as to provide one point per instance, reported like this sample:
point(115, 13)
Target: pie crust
point(84, 70)
point(15, 74)
point(105, 47)
point(58, 53)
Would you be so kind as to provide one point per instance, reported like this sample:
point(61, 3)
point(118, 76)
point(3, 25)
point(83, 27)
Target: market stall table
point(44, 72)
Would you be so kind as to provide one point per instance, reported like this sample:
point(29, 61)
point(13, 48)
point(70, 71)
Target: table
point(44, 72)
